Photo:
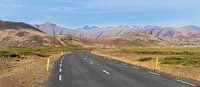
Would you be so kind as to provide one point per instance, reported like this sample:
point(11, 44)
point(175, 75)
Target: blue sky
point(77, 13)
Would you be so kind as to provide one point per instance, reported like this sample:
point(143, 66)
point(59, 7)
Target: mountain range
point(22, 34)
point(188, 33)
point(49, 34)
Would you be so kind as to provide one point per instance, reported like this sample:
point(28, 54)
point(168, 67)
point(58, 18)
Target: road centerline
point(106, 72)
point(62, 60)
point(91, 62)
point(60, 77)
point(60, 70)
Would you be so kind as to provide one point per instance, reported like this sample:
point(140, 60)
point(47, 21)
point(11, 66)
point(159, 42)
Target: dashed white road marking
point(181, 81)
point(135, 67)
point(60, 65)
point(62, 60)
point(106, 72)
point(60, 70)
point(60, 77)
point(91, 62)
point(154, 73)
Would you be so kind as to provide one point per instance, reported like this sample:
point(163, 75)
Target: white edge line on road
point(106, 72)
point(60, 65)
point(181, 81)
point(62, 59)
point(135, 67)
point(60, 77)
point(60, 70)
point(123, 63)
point(154, 73)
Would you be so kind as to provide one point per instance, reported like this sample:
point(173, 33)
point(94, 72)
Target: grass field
point(41, 52)
point(179, 62)
point(26, 67)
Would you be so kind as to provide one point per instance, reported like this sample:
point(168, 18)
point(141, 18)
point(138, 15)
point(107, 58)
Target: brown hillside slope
point(22, 34)
point(135, 40)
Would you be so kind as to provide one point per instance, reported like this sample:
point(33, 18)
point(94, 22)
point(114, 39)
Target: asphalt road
point(83, 69)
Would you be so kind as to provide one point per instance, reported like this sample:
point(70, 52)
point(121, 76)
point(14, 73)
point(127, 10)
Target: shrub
point(146, 59)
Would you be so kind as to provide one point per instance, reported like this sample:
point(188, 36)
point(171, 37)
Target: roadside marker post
point(62, 52)
point(156, 68)
point(47, 66)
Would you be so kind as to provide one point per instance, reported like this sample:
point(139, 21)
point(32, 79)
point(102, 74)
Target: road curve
point(83, 69)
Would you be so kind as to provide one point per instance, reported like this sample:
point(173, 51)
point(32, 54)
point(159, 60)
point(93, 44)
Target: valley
point(25, 48)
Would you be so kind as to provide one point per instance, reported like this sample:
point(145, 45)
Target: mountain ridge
point(166, 33)
point(186, 35)
point(25, 35)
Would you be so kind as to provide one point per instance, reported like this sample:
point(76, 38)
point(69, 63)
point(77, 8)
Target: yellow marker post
point(62, 52)
point(47, 66)
point(156, 68)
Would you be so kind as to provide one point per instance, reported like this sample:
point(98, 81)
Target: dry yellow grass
point(174, 70)
point(27, 73)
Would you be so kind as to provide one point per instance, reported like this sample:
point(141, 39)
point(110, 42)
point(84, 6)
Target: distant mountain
point(132, 40)
point(51, 28)
point(173, 34)
point(16, 25)
point(165, 33)
point(22, 34)
point(183, 35)
point(93, 32)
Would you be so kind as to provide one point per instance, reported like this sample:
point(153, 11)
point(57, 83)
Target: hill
point(183, 36)
point(22, 34)
point(93, 32)
point(132, 40)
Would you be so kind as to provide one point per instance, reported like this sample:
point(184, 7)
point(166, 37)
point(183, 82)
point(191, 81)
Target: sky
point(78, 13)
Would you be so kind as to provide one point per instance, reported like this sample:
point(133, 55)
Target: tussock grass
point(146, 59)
point(26, 67)
point(41, 52)
point(179, 62)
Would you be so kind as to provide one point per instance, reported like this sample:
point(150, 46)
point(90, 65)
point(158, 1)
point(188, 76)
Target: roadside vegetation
point(26, 67)
point(179, 62)
point(41, 52)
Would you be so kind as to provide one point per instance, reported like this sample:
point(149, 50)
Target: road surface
point(83, 69)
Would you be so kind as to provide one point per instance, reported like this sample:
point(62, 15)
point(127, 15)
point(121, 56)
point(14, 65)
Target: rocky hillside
point(22, 34)
point(16, 25)
point(93, 32)
point(52, 29)
point(170, 33)
point(186, 35)
point(132, 40)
